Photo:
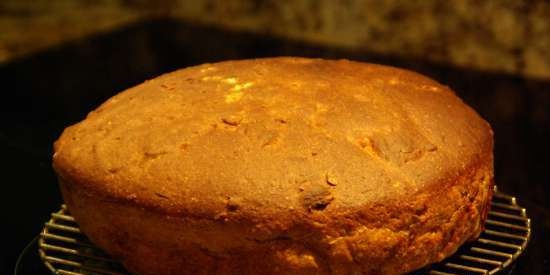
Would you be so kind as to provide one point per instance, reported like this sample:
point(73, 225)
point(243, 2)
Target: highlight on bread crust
point(279, 166)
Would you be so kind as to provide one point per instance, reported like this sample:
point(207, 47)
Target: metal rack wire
point(66, 251)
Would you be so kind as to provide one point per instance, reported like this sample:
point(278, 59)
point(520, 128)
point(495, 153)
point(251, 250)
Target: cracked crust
point(279, 166)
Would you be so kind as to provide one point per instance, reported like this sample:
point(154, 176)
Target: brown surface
point(510, 36)
point(284, 166)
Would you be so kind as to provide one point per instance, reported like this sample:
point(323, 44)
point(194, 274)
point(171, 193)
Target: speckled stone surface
point(510, 36)
point(506, 36)
point(30, 26)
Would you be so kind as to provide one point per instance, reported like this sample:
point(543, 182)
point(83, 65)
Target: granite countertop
point(48, 90)
point(493, 35)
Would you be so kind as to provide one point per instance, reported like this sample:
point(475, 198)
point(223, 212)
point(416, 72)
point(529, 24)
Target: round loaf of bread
point(279, 166)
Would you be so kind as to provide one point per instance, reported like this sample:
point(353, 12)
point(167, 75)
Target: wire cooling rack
point(66, 251)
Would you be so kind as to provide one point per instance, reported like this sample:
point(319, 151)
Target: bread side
point(387, 239)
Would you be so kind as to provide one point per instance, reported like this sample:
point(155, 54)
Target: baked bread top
point(274, 137)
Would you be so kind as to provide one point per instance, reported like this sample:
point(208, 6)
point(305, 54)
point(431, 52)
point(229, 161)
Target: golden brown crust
point(285, 165)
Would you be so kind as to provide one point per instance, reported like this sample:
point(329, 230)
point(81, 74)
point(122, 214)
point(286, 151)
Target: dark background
point(45, 92)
